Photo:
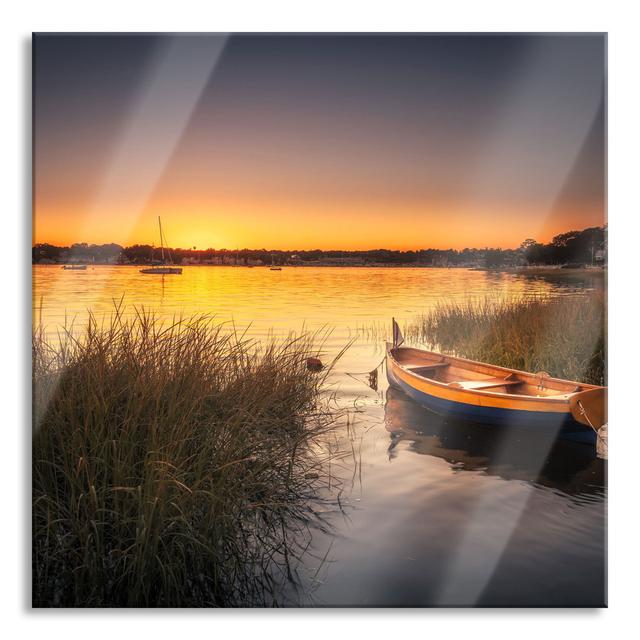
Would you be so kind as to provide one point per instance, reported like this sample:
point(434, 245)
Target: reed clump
point(564, 336)
point(173, 465)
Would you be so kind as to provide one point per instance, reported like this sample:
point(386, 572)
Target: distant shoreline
point(525, 270)
point(574, 249)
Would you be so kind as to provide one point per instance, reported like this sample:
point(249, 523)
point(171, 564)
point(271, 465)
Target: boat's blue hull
point(562, 424)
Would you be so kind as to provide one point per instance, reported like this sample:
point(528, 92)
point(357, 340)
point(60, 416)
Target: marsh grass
point(564, 336)
point(173, 464)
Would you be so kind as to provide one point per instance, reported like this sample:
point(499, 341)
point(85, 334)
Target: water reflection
point(457, 514)
point(565, 279)
point(512, 454)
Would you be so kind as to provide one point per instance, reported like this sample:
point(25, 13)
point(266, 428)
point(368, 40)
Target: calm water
point(438, 513)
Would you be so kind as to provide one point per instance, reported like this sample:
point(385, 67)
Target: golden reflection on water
point(343, 298)
point(351, 305)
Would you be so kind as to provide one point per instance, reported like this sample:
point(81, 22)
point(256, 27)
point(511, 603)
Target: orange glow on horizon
point(314, 227)
point(346, 143)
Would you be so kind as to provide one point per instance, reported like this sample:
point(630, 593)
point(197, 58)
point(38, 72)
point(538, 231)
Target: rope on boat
point(601, 434)
point(542, 377)
point(372, 375)
point(583, 412)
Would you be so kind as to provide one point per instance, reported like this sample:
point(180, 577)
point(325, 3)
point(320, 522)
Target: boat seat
point(425, 368)
point(487, 383)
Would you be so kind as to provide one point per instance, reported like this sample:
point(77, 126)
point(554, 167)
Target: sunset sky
point(318, 141)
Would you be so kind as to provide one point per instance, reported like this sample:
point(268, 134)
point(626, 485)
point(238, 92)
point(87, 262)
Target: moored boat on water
point(490, 394)
point(75, 267)
point(162, 268)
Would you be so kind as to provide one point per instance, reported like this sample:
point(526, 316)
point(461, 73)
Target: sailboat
point(162, 268)
point(273, 266)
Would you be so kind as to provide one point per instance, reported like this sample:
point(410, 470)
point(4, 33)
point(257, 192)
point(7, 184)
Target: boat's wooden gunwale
point(478, 393)
point(488, 369)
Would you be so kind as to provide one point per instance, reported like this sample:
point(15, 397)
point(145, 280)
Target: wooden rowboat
point(496, 395)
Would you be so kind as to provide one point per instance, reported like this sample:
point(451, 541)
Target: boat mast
point(161, 240)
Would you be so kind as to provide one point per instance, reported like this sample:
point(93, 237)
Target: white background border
point(19, 20)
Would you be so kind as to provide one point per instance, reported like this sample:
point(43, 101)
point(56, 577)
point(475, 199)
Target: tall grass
point(564, 336)
point(173, 465)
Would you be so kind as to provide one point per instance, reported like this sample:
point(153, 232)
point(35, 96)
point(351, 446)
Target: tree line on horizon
point(573, 247)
